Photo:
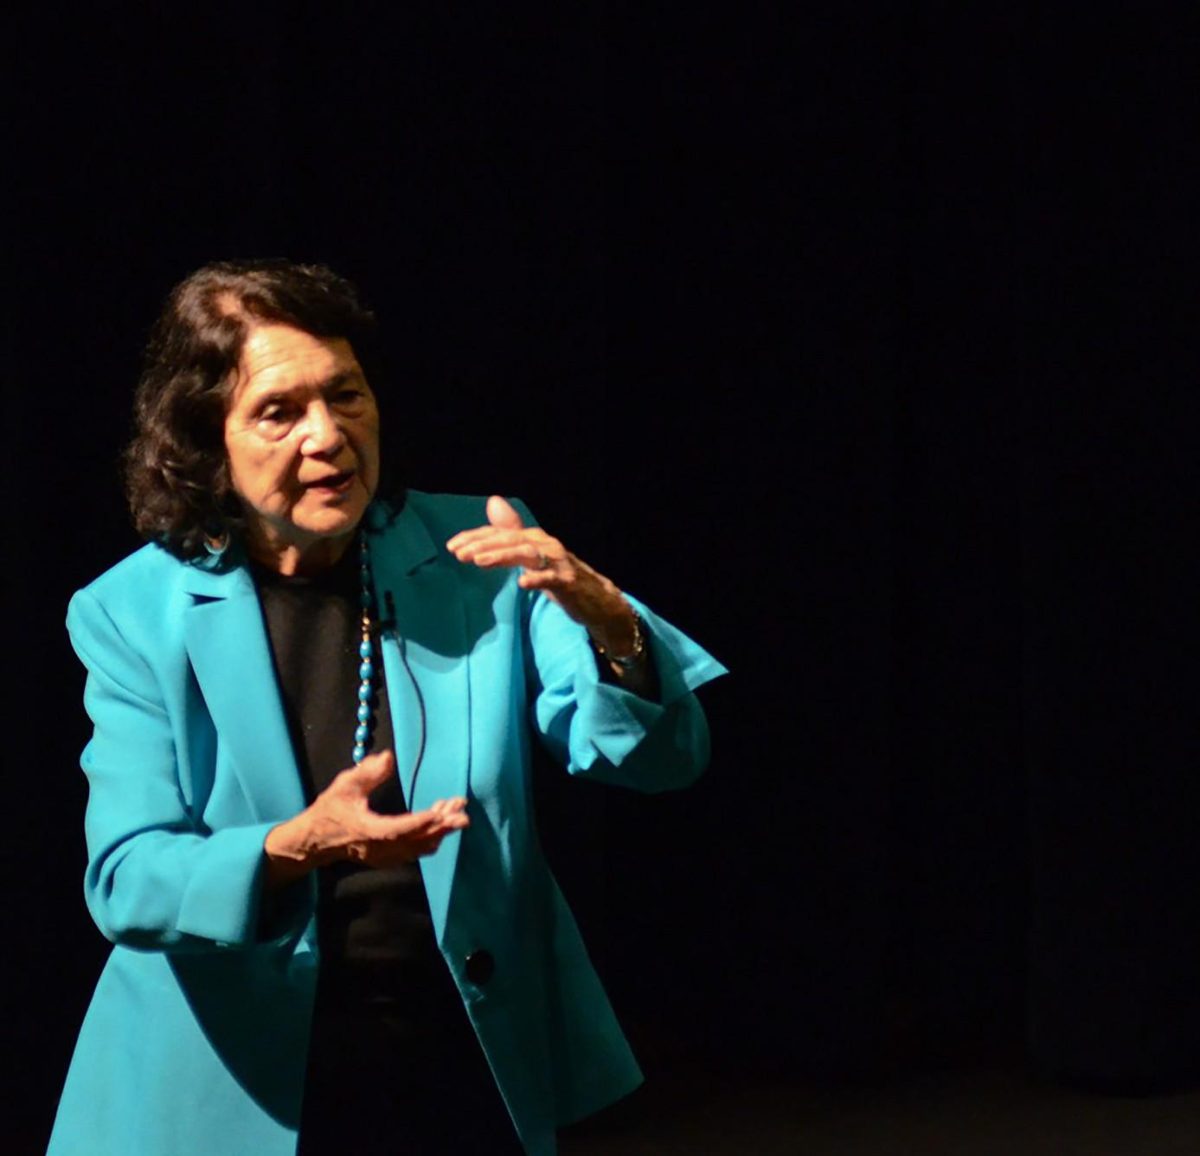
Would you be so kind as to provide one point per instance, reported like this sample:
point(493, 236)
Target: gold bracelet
point(628, 661)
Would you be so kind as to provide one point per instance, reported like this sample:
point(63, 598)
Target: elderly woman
point(309, 826)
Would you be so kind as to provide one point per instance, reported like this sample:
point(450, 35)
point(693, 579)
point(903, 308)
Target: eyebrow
point(340, 379)
point(333, 382)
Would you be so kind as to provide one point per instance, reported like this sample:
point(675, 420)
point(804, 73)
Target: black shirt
point(368, 919)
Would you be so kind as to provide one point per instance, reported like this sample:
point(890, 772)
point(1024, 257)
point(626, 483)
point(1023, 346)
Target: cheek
point(235, 472)
point(255, 476)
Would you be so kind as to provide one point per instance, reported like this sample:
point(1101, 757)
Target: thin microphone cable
point(402, 645)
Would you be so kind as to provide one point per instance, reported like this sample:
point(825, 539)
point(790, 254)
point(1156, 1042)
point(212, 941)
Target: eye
point(277, 414)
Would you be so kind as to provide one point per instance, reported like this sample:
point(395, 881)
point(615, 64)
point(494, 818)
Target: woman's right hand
point(340, 825)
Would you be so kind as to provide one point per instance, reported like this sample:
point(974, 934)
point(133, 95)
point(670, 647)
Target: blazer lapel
point(227, 644)
point(425, 660)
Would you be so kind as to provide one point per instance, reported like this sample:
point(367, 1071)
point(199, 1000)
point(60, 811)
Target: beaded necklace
point(366, 652)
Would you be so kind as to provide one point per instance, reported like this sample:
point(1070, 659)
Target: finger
point(469, 543)
point(501, 513)
point(561, 573)
point(399, 828)
point(527, 555)
point(375, 770)
point(473, 533)
point(450, 821)
point(548, 580)
point(404, 841)
point(417, 824)
point(463, 537)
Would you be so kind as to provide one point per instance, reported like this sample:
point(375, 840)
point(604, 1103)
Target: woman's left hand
point(585, 594)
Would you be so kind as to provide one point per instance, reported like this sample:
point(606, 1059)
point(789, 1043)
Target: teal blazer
point(196, 1037)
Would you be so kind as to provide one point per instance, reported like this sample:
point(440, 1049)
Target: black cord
point(402, 645)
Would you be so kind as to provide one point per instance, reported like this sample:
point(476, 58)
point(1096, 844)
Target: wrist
point(287, 854)
point(624, 643)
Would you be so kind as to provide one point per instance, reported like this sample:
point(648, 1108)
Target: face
point(302, 441)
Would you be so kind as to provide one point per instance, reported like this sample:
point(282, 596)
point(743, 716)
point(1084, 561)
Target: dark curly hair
point(176, 471)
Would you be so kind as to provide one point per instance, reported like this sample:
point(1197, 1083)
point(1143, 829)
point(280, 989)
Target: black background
point(862, 349)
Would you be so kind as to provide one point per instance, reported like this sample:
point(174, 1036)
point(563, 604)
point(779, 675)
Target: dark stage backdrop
point(864, 350)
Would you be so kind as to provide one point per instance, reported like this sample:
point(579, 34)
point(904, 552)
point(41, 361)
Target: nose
point(322, 433)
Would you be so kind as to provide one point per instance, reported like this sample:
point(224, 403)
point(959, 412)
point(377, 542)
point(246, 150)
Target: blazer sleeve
point(600, 730)
point(157, 878)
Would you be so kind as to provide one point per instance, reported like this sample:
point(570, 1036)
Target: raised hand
point(547, 565)
point(339, 824)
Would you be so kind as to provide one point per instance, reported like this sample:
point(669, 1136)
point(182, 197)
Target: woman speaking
point(309, 824)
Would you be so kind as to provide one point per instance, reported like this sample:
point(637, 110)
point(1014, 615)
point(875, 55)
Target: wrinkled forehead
point(280, 358)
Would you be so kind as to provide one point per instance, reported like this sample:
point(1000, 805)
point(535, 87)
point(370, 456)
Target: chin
point(333, 527)
point(331, 518)
point(332, 523)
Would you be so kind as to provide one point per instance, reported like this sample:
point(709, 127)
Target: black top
point(368, 919)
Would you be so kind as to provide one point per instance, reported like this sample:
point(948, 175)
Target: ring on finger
point(543, 562)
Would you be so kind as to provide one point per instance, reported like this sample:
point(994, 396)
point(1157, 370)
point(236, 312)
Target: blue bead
point(364, 692)
point(362, 733)
point(364, 712)
point(364, 648)
point(360, 753)
point(366, 671)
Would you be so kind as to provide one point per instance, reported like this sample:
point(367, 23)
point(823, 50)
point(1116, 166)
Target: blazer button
point(480, 966)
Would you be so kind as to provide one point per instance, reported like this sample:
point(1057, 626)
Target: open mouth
point(332, 483)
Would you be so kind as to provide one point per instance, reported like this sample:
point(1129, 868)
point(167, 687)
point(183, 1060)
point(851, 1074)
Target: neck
point(293, 560)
